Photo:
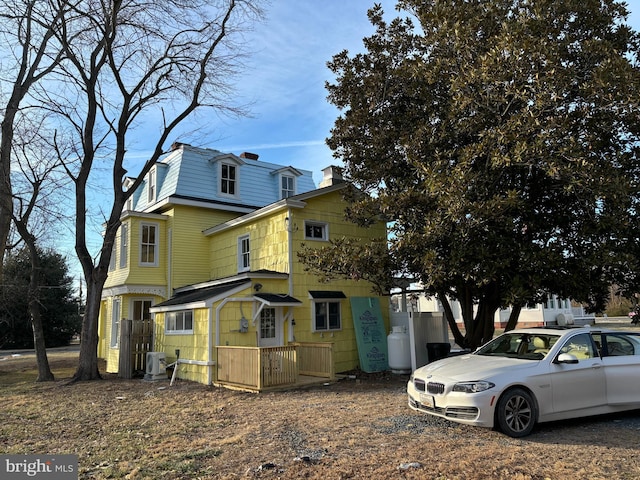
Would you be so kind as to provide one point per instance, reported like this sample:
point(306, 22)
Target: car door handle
point(596, 365)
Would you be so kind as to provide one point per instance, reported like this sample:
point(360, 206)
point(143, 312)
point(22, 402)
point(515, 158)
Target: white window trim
point(116, 308)
point(242, 254)
point(152, 185)
point(314, 303)
point(124, 244)
point(157, 245)
point(167, 331)
point(112, 258)
point(236, 181)
point(325, 230)
point(295, 186)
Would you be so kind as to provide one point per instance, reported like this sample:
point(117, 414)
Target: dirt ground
point(354, 428)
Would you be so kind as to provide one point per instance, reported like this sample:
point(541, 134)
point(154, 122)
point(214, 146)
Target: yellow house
point(218, 278)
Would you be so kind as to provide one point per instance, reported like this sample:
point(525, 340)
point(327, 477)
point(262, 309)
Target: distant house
point(556, 311)
point(207, 253)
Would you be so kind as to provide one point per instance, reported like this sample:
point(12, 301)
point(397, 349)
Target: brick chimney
point(331, 175)
point(249, 155)
point(178, 145)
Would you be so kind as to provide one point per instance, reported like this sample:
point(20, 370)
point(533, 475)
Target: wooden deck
point(287, 367)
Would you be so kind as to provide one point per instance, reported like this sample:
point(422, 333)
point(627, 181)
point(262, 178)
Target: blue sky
point(286, 75)
point(284, 79)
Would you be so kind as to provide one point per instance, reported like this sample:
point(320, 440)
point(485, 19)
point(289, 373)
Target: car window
point(580, 346)
point(519, 345)
point(617, 345)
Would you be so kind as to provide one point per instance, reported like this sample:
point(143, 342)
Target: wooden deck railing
point(255, 368)
point(316, 359)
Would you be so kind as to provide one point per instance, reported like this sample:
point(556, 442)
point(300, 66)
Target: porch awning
point(277, 300)
point(199, 297)
point(326, 294)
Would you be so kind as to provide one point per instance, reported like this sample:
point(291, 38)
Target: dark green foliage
point(501, 137)
point(60, 317)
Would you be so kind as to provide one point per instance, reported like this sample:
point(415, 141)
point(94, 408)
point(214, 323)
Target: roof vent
point(249, 156)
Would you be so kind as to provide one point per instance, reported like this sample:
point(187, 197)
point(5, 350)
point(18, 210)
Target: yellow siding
point(118, 275)
point(191, 249)
point(192, 346)
point(195, 258)
point(268, 244)
point(330, 209)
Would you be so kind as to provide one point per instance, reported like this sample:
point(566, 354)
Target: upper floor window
point(112, 259)
point(228, 179)
point(151, 186)
point(124, 244)
point(316, 231)
point(287, 183)
point(179, 322)
point(244, 260)
point(149, 244)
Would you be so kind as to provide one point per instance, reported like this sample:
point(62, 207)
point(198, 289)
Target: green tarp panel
point(371, 335)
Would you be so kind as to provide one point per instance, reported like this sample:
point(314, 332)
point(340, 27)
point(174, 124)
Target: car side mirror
point(566, 358)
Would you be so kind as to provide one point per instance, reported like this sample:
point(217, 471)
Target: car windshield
point(530, 346)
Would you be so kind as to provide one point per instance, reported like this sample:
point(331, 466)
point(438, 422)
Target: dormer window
point(287, 183)
point(228, 172)
point(151, 186)
point(228, 179)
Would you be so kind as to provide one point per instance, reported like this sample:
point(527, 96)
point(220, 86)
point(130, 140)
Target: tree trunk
point(44, 371)
point(513, 317)
point(458, 337)
point(88, 359)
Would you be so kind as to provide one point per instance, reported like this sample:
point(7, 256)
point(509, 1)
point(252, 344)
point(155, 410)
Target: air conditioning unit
point(156, 366)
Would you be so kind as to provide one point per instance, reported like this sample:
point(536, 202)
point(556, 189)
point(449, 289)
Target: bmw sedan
point(533, 375)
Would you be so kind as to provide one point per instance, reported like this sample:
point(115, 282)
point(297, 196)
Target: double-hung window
point(228, 179)
point(287, 183)
point(151, 187)
point(115, 323)
point(124, 244)
point(327, 310)
point(149, 244)
point(244, 254)
point(112, 259)
point(179, 322)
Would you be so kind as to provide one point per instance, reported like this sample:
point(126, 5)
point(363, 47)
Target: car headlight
point(472, 387)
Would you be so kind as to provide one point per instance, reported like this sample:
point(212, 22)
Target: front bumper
point(469, 408)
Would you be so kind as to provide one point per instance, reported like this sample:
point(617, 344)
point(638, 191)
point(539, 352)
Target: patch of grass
point(137, 430)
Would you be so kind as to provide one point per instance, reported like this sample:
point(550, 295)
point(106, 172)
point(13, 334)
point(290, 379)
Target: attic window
point(151, 186)
point(228, 179)
point(288, 186)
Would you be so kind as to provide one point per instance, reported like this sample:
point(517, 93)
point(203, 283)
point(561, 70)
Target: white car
point(533, 375)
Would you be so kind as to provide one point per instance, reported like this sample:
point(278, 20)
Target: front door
point(270, 329)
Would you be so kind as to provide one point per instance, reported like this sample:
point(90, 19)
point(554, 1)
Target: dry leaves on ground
point(355, 428)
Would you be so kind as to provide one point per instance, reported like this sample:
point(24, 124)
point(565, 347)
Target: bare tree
point(157, 61)
point(37, 189)
point(30, 54)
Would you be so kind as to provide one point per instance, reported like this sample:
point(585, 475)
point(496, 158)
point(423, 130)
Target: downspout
point(290, 227)
point(211, 363)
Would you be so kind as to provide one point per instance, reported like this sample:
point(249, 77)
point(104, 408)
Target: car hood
point(472, 367)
